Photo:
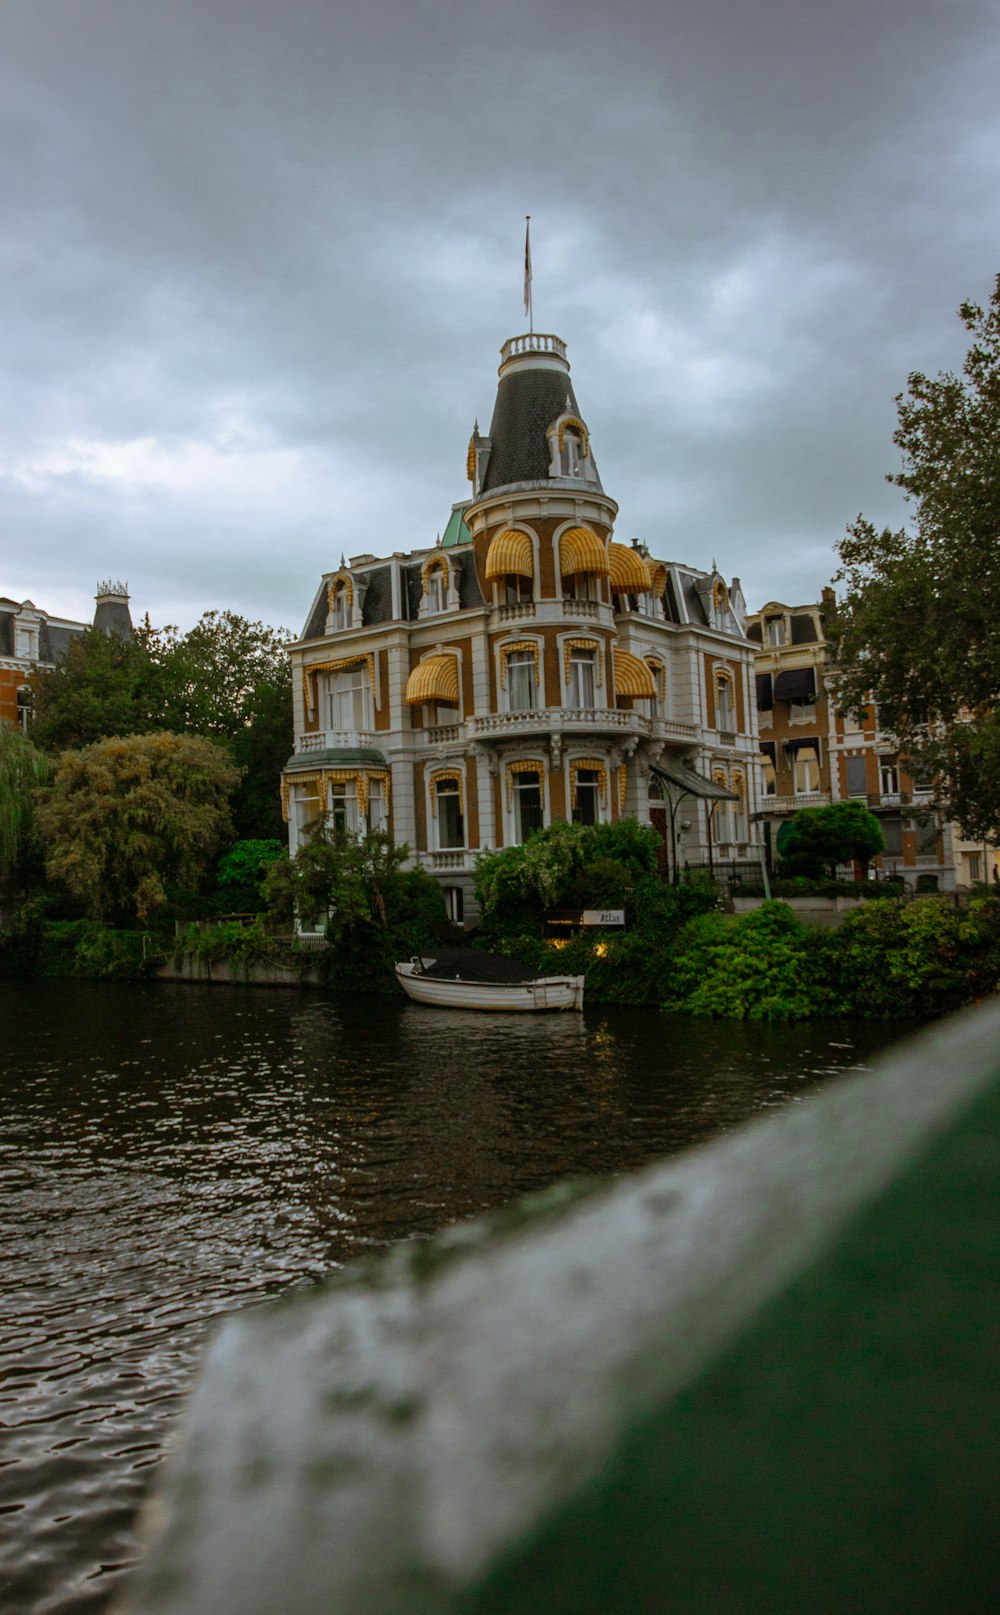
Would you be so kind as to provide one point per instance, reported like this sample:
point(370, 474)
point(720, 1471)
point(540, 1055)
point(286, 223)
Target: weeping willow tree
point(23, 768)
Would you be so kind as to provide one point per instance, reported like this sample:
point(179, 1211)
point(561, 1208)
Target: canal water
point(170, 1153)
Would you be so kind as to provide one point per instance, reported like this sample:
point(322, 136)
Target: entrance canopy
point(684, 781)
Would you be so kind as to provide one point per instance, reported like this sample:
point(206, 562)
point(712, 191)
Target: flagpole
point(528, 309)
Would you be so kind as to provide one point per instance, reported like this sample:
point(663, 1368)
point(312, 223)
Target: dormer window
point(340, 602)
point(435, 580)
point(775, 632)
point(341, 607)
point(26, 643)
point(435, 591)
point(569, 450)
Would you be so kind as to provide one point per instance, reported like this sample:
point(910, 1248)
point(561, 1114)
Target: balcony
point(336, 740)
point(791, 804)
point(581, 608)
point(522, 611)
point(458, 861)
point(444, 734)
point(568, 720)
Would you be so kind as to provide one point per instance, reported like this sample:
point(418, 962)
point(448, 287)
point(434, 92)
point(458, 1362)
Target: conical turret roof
point(534, 391)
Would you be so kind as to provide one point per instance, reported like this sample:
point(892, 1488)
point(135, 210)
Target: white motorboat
point(435, 981)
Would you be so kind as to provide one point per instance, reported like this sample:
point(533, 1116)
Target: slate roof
point(527, 402)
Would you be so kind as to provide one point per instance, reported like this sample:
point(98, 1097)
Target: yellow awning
point(509, 555)
point(580, 550)
point(657, 576)
point(435, 679)
point(632, 677)
point(628, 570)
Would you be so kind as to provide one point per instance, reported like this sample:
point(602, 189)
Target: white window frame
point(581, 661)
point(449, 790)
point(349, 695)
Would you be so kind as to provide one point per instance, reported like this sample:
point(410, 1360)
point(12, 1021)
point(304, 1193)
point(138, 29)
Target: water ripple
point(169, 1154)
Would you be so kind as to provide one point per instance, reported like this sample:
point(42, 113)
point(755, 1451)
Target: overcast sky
point(259, 259)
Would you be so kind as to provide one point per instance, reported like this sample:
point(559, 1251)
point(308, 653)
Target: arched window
point(435, 580)
point(725, 706)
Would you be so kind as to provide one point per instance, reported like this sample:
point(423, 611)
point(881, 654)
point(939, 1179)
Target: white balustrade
point(336, 740)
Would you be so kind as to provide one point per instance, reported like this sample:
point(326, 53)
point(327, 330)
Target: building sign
point(603, 916)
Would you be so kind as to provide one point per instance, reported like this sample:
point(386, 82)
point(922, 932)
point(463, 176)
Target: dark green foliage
point(562, 866)
point(23, 769)
point(882, 963)
point(760, 967)
point(917, 961)
point(919, 627)
point(821, 838)
point(374, 912)
point(227, 679)
point(125, 817)
point(35, 945)
point(247, 862)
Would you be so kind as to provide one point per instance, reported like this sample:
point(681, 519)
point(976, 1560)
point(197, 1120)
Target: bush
point(762, 966)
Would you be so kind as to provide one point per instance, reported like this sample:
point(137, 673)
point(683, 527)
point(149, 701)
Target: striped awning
point(632, 677)
point(581, 551)
point(509, 555)
point(629, 574)
point(435, 679)
point(657, 576)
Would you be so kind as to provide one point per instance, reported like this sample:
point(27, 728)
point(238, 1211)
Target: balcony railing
point(563, 718)
point(518, 612)
point(581, 608)
point(459, 859)
point(336, 740)
point(791, 804)
point(533, 342)
point(445, 734)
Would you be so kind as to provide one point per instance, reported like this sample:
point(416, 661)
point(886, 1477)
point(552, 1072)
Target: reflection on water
point(170, 1153)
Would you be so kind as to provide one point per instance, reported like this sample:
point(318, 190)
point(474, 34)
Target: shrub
point(761, 966)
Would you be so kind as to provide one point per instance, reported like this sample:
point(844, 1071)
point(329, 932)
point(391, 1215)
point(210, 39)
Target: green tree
point(919, 624)
point(228, 679)
point(23, 769)
point(129, 816)
point(821, 838)
point(563, 866)
point(374, 912)
point(104, 686)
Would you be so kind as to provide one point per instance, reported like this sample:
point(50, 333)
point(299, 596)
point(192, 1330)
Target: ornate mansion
point(526, 668)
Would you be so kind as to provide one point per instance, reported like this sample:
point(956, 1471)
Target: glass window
point(926, 838)
point(892, 829)
point(450, 823)
point(25, 707)
point(434, 590)
point(723, 704)
point(349, 699)
point(888, 775)
point(521, 686)
point(343, 815)
point(581, 678)
point(454, 903)
point(341, 609)
point(775, 631)
point(306, 810)
point(517, 591)
point(588, 796)
point(802, 711)
point(528, 813)
point(806, 772)
point(857, 781)
point(378, 815)
point(581, 586)
point(767, 776)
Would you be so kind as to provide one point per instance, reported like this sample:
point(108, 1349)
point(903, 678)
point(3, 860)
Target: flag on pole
point(527, 265)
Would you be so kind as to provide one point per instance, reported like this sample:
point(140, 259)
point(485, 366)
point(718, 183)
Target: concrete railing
point(756, 1378)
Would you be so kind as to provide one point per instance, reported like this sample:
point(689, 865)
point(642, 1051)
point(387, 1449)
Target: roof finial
point(343, 563)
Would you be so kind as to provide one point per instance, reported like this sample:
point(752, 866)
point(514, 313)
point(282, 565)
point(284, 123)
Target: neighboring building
point(811, 754)
point(32, 641)
point(527, 668)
